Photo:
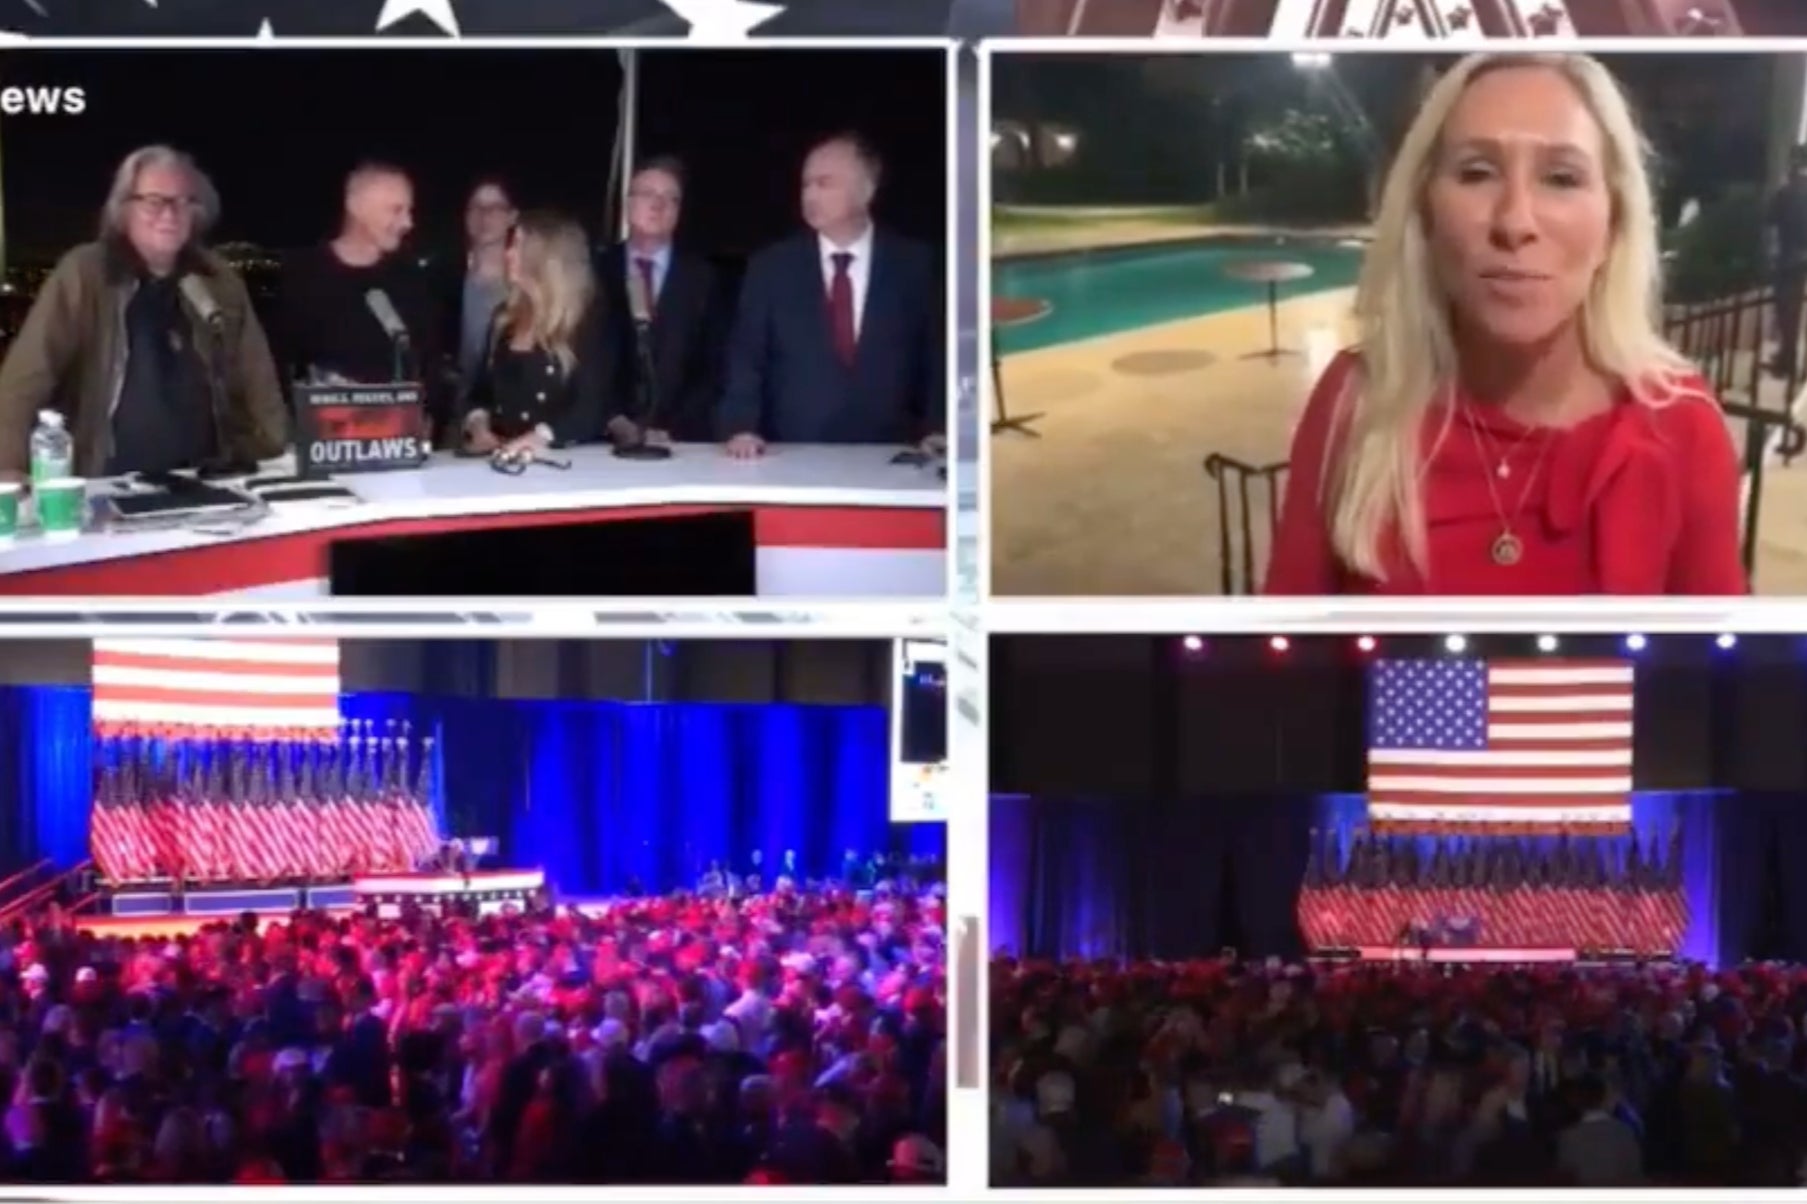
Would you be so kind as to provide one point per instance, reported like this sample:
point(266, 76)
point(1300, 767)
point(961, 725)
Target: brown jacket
point(70, 356)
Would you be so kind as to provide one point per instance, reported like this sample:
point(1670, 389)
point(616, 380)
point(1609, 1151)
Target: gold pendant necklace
point(1507, 549)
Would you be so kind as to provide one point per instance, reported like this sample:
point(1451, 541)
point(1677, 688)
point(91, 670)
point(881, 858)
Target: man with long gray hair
point(146, 340)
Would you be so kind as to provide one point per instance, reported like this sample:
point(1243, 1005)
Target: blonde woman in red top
point(1512, 420)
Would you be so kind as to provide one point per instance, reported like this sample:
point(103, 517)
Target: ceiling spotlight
point(1727, 641)
point(1635, 643)
point(1546, 643)
point(1455, 643)
point(1279, 643)
point(1194, 644)
point(1366, 643)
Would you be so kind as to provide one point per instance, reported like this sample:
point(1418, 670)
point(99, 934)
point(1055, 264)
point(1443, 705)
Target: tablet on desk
point(137, 507)
point(279, 491)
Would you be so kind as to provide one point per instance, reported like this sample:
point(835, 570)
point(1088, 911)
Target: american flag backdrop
point(1500, 746)
point(270, 687)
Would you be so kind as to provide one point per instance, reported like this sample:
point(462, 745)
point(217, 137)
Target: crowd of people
point(785, 1037)
point(1221, 1073)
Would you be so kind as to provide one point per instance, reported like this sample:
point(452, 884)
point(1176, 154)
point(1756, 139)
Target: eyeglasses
point(657, 198)
point(520, 462)
point(490, 207)
point(162, 204)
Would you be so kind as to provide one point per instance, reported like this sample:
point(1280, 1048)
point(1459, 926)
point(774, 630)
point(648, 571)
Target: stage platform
point(1448, 956)
point(162, 910)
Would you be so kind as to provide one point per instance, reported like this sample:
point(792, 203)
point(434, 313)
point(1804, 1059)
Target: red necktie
point(840, 308)
point(645, 266)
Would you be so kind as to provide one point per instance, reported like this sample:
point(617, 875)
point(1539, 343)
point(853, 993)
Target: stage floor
point(1467, 956)
point(165, 927)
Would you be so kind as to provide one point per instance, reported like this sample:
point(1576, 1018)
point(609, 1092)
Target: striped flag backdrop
point(287, 688)
point(1523, 746)
point(226, 761)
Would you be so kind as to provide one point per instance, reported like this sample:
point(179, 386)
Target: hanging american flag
point(1478, 746)
point(286, 688)
point(708, 19)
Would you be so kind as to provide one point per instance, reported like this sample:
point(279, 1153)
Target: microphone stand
point(403, 370)
point(646, 400)
point(401, 358)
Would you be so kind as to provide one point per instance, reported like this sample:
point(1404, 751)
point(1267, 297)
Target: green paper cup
point(10, 494)
point(62, 506)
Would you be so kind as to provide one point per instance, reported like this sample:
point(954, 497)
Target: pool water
point(1104, 292)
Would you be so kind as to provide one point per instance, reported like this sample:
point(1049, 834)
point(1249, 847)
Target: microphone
point(200, 299)
point(383, 310)
point(640, 310)
point(194, 290)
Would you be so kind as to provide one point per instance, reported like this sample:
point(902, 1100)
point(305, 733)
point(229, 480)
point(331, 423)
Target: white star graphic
point(437, 11)
point(722, 20)
point(266, 32)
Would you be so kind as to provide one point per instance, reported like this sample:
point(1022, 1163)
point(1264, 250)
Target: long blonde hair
point(1407, 347)
point(555, 288)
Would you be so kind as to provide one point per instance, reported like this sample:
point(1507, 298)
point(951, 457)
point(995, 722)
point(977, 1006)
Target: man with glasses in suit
point(671, 390)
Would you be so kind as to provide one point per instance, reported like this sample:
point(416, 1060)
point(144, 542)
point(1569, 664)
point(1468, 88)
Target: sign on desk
point(359, 428)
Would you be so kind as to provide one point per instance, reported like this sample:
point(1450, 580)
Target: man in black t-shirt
point(332, 320)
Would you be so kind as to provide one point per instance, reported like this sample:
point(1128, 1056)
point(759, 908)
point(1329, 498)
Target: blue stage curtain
point(600, 794)
point(652, 794)
point(1092, 878)
point(1056, 879)
point(46, 775)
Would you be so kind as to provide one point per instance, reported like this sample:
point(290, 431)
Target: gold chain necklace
point(1508, 549)
point(1493, 452)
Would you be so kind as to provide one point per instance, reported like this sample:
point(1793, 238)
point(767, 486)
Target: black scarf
point(163, 418)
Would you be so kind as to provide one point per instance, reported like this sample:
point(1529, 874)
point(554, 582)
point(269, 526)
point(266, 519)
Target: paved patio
point(1112, 500)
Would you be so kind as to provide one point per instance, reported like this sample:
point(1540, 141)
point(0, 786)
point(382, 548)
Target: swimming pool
point(1092, 293)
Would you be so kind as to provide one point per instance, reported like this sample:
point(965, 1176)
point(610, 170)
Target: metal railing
point(17, 884)
point(1725, 338)
point(40, 894)
point(1243, 492)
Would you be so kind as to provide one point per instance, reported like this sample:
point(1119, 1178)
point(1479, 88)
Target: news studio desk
point(805, 520)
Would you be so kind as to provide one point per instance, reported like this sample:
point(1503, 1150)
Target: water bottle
point(52, 449)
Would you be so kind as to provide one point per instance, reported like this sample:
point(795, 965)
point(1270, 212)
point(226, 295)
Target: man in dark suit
point(839, 337)
point(360, 1058)
point(686, 328)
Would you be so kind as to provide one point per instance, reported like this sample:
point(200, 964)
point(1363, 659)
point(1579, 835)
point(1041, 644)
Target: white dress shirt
point(1324, 1131)
point(1276, 1127)
point(859, 270)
